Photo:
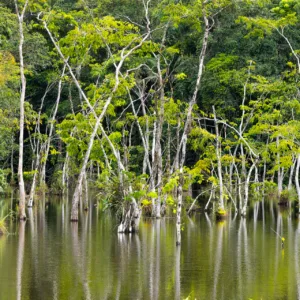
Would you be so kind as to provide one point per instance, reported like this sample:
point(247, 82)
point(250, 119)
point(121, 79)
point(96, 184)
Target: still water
point(50, 258)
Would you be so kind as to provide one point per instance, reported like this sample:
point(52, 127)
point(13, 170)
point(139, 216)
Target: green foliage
point(221, 212)
point(3, 228)
point(3, 180)
point(170, 185)
point(250, 77)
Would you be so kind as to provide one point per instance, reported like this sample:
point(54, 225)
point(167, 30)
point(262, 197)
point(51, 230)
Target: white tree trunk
point(209, 199)
point(86, 193)
point(218, 154)
point(22, 201)
point(33, 185)
point(12, 162)
point(246, 197)
point(279, 172)
point(264, 175)
point(292, 169)
point(182, 146)
point(297, 181)
point(179, 208)
point(157, 161)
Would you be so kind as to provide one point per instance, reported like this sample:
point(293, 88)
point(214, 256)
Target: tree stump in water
point(221, 214)
point(284, 199)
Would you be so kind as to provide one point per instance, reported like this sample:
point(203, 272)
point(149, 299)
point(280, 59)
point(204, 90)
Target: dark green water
point(50, 258)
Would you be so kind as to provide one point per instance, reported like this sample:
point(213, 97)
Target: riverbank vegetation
point(148, 100)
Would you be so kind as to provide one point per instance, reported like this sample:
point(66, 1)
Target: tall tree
point(20, 11)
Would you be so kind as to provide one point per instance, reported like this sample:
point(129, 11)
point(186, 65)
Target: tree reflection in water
point(235, 259)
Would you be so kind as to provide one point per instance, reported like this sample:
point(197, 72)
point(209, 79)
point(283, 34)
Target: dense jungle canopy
point(147, 101)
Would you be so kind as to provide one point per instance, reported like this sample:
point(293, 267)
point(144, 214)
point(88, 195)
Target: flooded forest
point(149, 149)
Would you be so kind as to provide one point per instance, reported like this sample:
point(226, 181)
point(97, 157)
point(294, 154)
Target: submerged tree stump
point(221, 214)
point(284, 199)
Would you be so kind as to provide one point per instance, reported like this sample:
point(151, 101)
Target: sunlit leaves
point(8, 68)
point(221, 62)
point(284, 15)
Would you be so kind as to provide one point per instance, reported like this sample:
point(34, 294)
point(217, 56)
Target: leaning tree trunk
point(22, 203)
point(209, 199)
point(76, 195)
point(124, 54)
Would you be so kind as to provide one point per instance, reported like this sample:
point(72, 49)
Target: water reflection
point(52, 258)
point(177, 272)
point(297, 257)
point(20, 258)
point(218, 261)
